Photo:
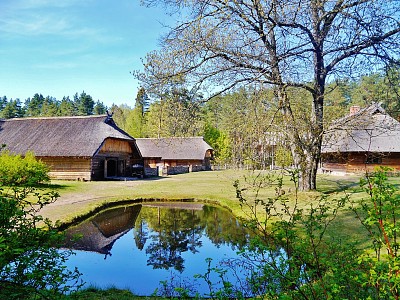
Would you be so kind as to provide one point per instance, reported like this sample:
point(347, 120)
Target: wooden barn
point(364, 139)
point(75, 148)
point(100, 232)
point(191, 152)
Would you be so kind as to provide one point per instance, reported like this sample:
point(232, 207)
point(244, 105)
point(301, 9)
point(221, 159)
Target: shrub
point(30, 263)
point(293, 257)
point(21, 171)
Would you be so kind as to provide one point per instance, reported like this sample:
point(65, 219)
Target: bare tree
point(222, 44)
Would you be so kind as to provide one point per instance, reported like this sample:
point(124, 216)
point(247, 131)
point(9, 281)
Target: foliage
point(138, 115)
point(295, 257)
point(11, 109)
point(30, 263)
point(176, 114)
point(108, 294)
point(379, 214)
point(84, 104)
point(290, 46)
point(283, 157)
point(220, 143)
point(17, 171)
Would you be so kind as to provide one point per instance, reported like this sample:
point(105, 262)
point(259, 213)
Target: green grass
point(93, 293)
point(79, 198)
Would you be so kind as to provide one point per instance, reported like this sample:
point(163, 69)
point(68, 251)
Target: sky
point(61, 47)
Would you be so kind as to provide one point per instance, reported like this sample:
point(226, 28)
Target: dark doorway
point(111, 168)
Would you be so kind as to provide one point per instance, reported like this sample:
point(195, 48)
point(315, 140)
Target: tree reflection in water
point(163, 236)
point(176, 231)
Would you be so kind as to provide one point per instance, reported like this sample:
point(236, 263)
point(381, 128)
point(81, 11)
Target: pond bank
point(78, 199)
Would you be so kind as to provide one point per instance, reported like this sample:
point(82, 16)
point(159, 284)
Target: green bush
point(31, 266)
point(21, 171)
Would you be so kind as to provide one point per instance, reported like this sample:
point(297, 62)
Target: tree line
point(40, 106)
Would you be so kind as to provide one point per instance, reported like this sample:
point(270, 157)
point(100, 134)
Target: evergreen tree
point(137, 116)
point(50, 107)
point(99, 108)
point(142, 101)
point(84, 103)
point(3, 102)
point(33, 106)
point(67, 107)
point(12, 109)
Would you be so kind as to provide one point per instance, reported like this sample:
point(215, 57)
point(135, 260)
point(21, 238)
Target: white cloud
point(34, 4)
point(43, 17)
point(34, 25)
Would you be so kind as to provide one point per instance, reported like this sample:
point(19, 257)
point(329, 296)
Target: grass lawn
point(78, 198)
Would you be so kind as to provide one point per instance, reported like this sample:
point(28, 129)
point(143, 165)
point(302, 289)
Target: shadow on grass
point(331, 185)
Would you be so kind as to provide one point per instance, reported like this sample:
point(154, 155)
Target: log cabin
point(75, 148)
point(192, 153)
point(361, 141)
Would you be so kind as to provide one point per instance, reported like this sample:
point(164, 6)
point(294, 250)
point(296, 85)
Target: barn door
point(111, 167)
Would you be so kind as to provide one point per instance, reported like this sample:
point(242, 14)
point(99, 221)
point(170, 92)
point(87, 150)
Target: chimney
point(354, 109)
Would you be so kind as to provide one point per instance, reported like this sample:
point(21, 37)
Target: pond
point(136, 247)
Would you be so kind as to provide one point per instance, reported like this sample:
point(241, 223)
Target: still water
point(138, 246)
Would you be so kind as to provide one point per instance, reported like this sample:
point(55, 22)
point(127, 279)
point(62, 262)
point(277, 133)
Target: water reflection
point(100, 233)
point(167, 236)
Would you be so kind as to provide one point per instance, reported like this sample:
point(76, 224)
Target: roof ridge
point(55, 117)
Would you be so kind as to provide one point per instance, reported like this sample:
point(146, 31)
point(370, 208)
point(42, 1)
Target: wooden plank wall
point(356, 163)
point(115, 146)
point(68, 168)
point(119, 150)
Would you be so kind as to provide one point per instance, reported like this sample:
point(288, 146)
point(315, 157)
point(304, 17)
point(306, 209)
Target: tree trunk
point(305, 143)
point(308, 174)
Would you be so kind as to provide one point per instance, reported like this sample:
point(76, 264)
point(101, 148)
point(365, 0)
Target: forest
point(239, 124)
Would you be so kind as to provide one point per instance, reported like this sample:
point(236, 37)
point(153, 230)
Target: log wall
point(356, 162)
point(68, 168)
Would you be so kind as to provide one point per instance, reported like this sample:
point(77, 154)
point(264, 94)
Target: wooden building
point(99, 233)
point(75, 148)
point(191, 152)
point(364, 139)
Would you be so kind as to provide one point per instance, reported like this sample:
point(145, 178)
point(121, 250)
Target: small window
point(373, 158)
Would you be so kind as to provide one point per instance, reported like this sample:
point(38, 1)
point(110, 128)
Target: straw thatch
point(361, 141)
point(174, 148)
point(369, 130)
point(59, 136)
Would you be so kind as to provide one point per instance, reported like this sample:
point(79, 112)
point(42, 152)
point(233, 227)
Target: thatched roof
point(176, 148)
point(100, 233)
point(59, 136)
point(369, 130)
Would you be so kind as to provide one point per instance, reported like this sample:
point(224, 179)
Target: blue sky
point(60, 47)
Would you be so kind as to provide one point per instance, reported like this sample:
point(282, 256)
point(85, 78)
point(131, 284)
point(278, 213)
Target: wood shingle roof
point(59, 136)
